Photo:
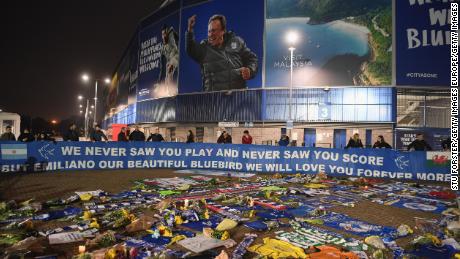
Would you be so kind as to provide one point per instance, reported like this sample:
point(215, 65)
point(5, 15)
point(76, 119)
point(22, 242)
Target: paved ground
point(43, 186)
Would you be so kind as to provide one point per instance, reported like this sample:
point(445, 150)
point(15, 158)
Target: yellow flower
point(131, 217)
point(434, 239)
point(178, 220)
point(110, 254)
point(166, 232)
point(94, 224)
point(87, 215)
point(225, 235)
point(124, 213)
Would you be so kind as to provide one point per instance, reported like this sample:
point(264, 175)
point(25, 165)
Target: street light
point(292, 38)
point(86, 78)
point(80, 97)
point(92, 106)
point(53, 121)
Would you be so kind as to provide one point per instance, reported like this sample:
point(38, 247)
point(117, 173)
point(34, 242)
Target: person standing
point(381, 143)
point(26, 136)
point(8, 135)
point(137, 135)
point(246, 139)
point(419, 144)
point(98, 134)
point(190, 137)
point(122, 135)
point(156, 137)
point(284, 140)
point(446, 144)
point(72, 133)
point(42, 136)
point(355, 142)
point(224, 138)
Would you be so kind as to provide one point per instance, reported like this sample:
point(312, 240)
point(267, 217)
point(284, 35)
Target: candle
point(81, 249)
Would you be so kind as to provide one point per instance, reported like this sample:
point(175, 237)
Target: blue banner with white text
point(422, 42)
point(378, 163)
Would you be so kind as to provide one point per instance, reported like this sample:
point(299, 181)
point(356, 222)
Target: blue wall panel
point(156, 110)
point(219, 106)
point(344, 105)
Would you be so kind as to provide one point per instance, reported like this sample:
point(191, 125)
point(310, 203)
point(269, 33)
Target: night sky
point(47, 45)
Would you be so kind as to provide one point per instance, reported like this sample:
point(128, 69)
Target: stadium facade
point(366, 66)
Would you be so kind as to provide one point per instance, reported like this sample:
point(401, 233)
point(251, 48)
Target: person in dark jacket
point(225, 60)
point(137, 135)
point(122, 135)
point(381, 143)
point(446, 144)
point(246, 139)
point(26, 136)
point(355, 142)
point(156, 137)
point(419, 144)
point(98, 134)
point(72, 133)
point(190, 137)
point(8, 135)
point(224, 138)
point(43, 136)
point(284, 140)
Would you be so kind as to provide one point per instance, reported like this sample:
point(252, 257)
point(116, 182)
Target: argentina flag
point(13, 151)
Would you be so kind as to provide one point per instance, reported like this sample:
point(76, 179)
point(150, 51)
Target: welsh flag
point(438, 158)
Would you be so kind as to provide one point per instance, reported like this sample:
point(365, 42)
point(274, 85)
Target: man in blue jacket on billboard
point(226, 62)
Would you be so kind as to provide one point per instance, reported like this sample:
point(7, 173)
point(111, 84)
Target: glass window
point(361, 96)
point(361, 112)
point(348, 113)
point(373, 113)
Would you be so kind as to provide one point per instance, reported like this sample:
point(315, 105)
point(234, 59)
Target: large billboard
point(422, 43)
point(339, 43)
point(133, 52)
point(433, 136)
point(159, 58)
point(122, 88)
point(222, 53)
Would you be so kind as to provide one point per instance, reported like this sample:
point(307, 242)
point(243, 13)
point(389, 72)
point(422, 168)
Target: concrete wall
point(386, 133)
point(324, 137)
point(259, 135)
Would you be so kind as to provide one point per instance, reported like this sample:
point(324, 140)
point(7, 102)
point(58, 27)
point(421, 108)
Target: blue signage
point(324, 111)
point(378, 163)
point(422, 43)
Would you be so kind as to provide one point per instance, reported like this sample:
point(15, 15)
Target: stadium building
point(316, 73)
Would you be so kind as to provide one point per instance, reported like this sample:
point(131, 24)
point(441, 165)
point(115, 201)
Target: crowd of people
point(419, 144)
point(97, 134)
point(25, 136)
